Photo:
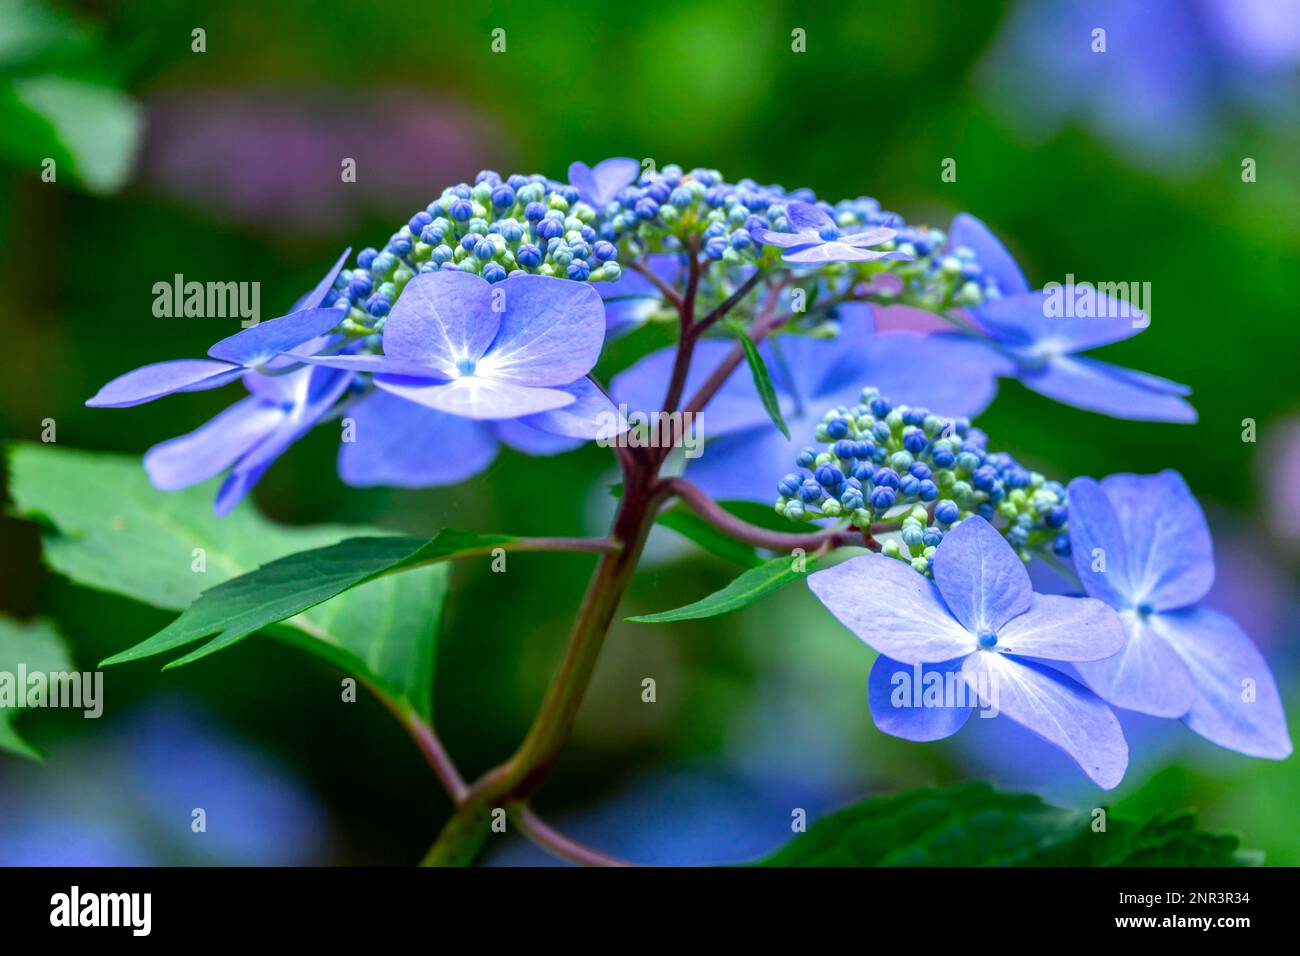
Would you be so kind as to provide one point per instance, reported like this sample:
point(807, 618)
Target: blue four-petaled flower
point(814, 238)
point(1141, 544)
point(980, 619)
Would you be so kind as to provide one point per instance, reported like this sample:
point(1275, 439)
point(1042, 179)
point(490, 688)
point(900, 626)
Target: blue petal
point(212, 447)
point(1107, 389)
point(808, 218)
point(991, 255)
point(267, 340)
point(1170, 556)
point(1032, 322)
point(533, 441)
point(406, 445)
point(900, 705)
point(1237, 702)
point(630, 300)
point(440, 320)
point(982, 579)
point(749, 464)
point(599, 185)
point(591, 416)
point(551, 331)
point(478, 398)
point(1059, 628)
point(1097, 544)
point(892, 608)
point(1061, 711)
point(949, 374)
point(317, 295)
point(735, 407)
point(1147, 675)
point(1154, 536)
point(148, 382)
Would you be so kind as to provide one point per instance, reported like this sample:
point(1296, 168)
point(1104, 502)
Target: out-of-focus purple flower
point(814, 238)
point(745, 453)
point(981, 622)
point(1170, 71)
point(272, 158)
point(232, 356)
point(1141, 544)
point(599, 184)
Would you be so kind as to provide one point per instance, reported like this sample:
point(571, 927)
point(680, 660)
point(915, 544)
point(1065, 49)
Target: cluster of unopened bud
point(919, 474)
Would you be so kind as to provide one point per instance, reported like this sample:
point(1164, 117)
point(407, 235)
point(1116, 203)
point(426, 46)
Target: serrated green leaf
point(290, 585)
point(975, 825)
point(762, 381)
point(36, 646)
point(108, 529)
point(757, 582)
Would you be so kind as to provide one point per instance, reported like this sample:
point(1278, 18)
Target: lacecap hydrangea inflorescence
point(530, 224)
point(884, 462)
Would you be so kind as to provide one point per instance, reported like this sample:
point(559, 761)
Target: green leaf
point(108, 529)
point(757, 582)
point(89, 129)
point(292, 584)
point(36, 646)
point(762, 380)
point(975, 825)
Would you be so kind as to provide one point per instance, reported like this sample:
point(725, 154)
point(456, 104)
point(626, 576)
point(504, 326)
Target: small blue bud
point(885, 478)
point(605, 251)
point(837, 428)
point(810, 491)
point(927, 490)
point(1056, 516)
point(460, 209)
point(945, 512)
point(503, 197)
point(529, 256)
point(1061, 546)
point(377, 305)
point(920, 470)
point(882, 499)
point(578, 270)
point(828, 476)
point(494, 272)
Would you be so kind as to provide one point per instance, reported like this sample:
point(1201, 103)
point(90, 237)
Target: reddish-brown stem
point(551, 839)
point(662, 287)
point(708, 509)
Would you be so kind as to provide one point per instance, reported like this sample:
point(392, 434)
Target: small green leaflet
point(292, 584)
point(757, 582)
point(38, 648)
point(975, 825)
point(762, 380)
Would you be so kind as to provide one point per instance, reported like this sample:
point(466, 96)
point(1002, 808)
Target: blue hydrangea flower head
point(980, 621)
point(1142, 545)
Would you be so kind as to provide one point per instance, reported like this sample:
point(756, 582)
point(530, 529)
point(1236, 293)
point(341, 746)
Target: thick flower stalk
point(478, 323)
